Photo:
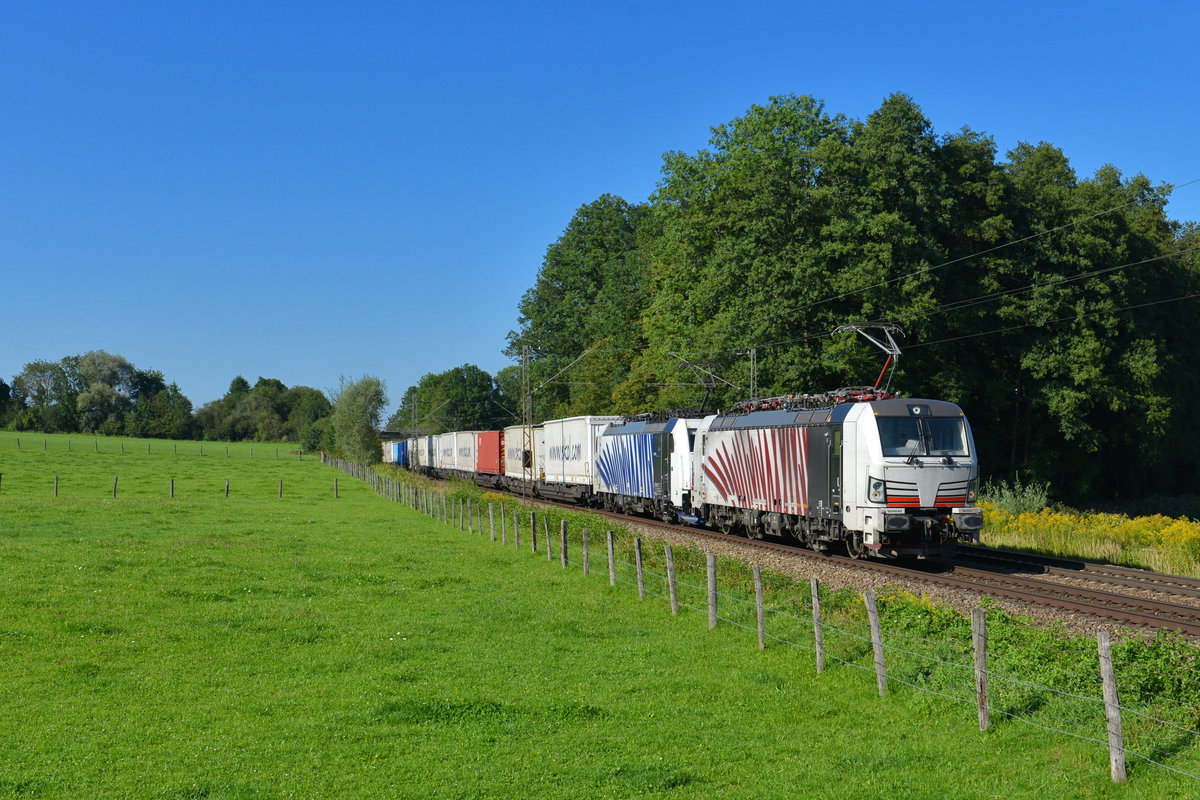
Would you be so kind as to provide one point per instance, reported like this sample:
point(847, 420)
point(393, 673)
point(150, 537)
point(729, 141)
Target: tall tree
point(356, 415)
point(588, 296)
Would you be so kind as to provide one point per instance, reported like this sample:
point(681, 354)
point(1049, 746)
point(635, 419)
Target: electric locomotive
point(878, 475)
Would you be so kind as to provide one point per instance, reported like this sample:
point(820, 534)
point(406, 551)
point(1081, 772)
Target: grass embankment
point(254, 647)
point(1157, 542)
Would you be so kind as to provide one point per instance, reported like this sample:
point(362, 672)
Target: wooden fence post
point(281, 488)
point(172, 487)
point(979, 645)
point(492, 519)
point(56, 486)
point(612, 564)
point(712, 591)
point(1112, 709)
point(586, 570)
point(671, 582)
point(533, 529)
point(335, 489)
point(637, 558)
point(563, 547)
point(227, 487)
point(114, 487)
point(876, 641)
point(503, 522)
point(758, 604)
point(818, 633)
point(516, 530)
point(546, 529)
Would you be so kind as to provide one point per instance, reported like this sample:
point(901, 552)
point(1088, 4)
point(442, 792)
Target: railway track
point(1128, 577)
point(1095, 589)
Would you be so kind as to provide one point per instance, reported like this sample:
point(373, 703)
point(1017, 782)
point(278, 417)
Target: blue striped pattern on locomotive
point(625, 465)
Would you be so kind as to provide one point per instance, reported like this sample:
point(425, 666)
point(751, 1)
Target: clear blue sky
point(301, 191)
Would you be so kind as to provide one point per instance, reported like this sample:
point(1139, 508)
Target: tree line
point(1054, 308)
point(103, 393)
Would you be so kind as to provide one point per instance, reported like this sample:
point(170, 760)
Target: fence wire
point(1073, 714)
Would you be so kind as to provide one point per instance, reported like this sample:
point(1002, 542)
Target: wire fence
point(1055, 691)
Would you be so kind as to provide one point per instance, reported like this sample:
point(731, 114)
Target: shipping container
point(517, 458)
point(464, 452)
point(570, 455)
point(489, 452)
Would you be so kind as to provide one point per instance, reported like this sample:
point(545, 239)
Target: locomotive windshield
point(903, 437)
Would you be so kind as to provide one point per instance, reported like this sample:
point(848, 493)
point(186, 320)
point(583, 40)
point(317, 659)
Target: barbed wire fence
point(1072, 701)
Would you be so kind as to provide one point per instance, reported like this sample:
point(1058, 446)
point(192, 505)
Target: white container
point(464, 452)
point(514, 449)
point(570, 449)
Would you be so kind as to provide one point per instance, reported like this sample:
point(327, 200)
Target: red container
point(489, 453)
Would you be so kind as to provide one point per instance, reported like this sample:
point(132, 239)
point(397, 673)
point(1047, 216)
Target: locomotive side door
point(833, 441)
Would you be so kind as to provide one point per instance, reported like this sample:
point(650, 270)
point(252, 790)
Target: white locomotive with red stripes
point(879, 475)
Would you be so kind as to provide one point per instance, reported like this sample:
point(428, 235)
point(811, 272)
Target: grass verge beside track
point(252, 647)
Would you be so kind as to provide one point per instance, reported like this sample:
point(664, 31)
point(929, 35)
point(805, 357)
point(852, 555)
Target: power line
point(1058, 320)
point(969, 256)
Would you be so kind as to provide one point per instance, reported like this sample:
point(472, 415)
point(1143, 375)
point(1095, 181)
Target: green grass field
point(259, 647)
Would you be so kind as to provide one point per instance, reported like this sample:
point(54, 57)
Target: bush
point(1017, 498)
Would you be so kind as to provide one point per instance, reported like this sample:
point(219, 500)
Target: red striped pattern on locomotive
point(765, 469)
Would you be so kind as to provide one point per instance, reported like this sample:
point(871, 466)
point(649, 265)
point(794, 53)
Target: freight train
point(858, 469)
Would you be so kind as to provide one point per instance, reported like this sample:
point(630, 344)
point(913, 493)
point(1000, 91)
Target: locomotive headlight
point(971, 493)
point(877, 491)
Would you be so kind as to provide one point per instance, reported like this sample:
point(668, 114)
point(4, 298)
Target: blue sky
point(303, 191)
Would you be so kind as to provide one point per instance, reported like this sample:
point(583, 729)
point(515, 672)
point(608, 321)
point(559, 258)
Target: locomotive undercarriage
point(928, 535)
point(640, 506)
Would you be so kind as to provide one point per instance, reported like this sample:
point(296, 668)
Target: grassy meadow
point(253, 646)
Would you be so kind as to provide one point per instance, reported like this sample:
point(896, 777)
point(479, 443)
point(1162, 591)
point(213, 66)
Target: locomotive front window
point(947, 436)
point(904, 437)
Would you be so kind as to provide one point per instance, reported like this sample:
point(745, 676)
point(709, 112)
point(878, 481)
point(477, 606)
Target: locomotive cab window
point(903, 437)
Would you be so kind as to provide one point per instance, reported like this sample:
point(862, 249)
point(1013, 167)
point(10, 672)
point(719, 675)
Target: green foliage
point(98, 392)
point(317, 436)
point(1017, 497)
point(356, 416)
point(464, 398)
point(268, 412)
point(590, 295)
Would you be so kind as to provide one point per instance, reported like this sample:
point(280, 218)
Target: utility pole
point(526, 425)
